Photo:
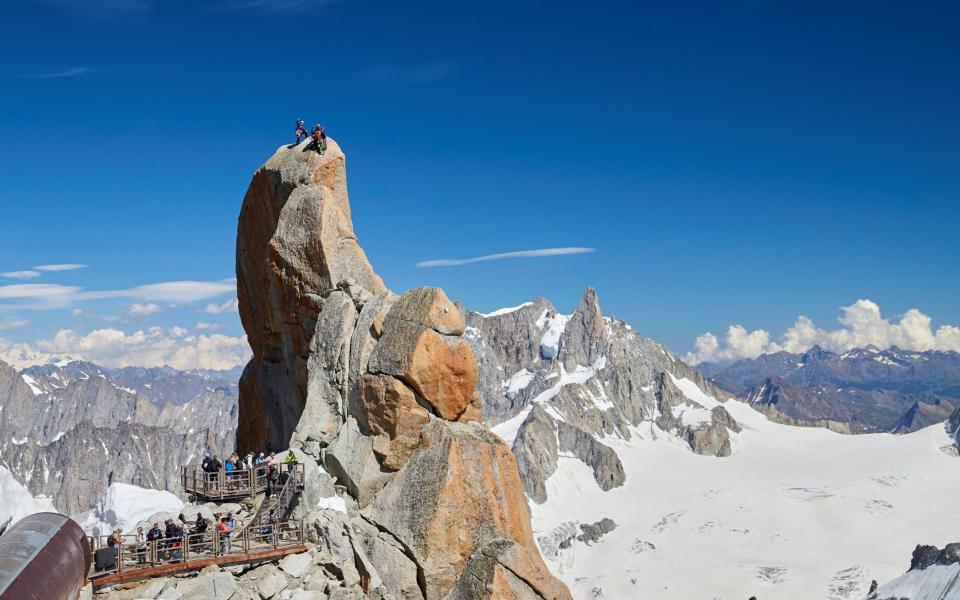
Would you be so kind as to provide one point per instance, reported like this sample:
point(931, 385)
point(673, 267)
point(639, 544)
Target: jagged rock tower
point(381, 391)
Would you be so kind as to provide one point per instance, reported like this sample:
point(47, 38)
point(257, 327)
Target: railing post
point(246, 540)
point(120, 558)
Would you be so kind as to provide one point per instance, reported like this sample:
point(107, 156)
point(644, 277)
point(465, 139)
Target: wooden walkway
point(196, 551)
point(264, 537)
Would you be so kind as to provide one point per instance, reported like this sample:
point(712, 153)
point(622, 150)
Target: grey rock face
point(536, 452)
point(208, 586)
point(352, 462)
point(923, 414)
point(860, 391)
point(592, 532)
point(606, 465)
point(923, 557)
point(573, 380)
point(328, 369)
point(53, 414)
point(953, 426)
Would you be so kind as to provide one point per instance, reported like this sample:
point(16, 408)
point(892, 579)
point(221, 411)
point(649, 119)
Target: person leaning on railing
point(115, 540)
point(141, 546)
point(224, 530)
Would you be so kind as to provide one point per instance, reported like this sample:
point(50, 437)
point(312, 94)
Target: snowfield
point(15, 500)
point(124, 506)
point(794, 513)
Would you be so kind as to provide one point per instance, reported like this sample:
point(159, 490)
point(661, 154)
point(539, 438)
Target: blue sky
point(742, 162)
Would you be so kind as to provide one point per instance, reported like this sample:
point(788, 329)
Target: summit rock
point(381, 391)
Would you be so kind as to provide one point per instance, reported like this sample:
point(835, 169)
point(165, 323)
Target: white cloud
point(454, 262)
point(72, 72)
point(13, 324)
point(861, 324)
point(21, 274)
point(61, 267)
point(39, 296)
point(203, 326)
point(217, 309)
point(143, 309)
point(116, 348)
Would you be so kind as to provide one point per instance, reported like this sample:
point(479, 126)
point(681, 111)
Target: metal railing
point(277, 510)
point(132, 556)
point(221, 484)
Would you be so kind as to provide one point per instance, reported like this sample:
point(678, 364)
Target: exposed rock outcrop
point(381, 391)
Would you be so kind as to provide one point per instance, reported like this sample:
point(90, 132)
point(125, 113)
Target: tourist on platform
point(141, 546)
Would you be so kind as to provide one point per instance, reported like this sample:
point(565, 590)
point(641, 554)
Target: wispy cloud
point(277, 6)
point(72, 72)
point(13, 324)
point(41, 296)
point(61, 267)
point(402, 75)
point(21, 274)
point(455, 262)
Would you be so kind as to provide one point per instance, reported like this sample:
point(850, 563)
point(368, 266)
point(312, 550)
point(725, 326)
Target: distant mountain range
point(860, 391)
point(67, 431)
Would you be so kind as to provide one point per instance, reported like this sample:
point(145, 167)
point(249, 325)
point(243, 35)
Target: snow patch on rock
point(15, 500)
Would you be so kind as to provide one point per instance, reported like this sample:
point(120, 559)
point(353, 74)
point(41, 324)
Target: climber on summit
point(301, 130)
point(319, 139)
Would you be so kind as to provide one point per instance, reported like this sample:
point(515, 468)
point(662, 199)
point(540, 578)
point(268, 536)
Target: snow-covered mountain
point(646, 481)
point(934, 575)
point(555, 385)
point(128, 425)
point(862, 390)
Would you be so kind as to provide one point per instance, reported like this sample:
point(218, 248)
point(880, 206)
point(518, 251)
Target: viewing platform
point(221, 485)
point(192, 552)
point(264, 537)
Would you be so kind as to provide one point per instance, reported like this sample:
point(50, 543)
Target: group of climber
point(319, 136)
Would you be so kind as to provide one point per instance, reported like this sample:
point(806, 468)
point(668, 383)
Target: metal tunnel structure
point(44, 556)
